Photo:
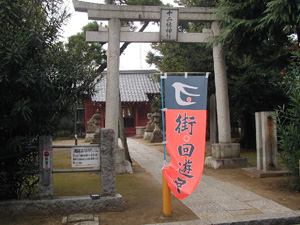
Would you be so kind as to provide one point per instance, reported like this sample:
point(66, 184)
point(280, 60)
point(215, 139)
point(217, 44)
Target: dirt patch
point(143, 202)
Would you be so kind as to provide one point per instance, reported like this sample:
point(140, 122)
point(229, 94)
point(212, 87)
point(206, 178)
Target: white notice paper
point(85, 156)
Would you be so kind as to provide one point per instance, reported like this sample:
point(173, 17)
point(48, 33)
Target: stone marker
point(266, 147)
point(213, 126)
point(107, 162)
point(266, 141)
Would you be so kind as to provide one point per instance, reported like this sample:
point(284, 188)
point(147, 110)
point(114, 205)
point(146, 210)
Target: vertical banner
point(185, 100)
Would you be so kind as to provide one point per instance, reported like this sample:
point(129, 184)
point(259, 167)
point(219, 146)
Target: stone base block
point(61, 205)
point(254, 172)
point(119, 155)
point(225, 163)
point(225, 150)
point(122, 165)
point(89, 137)
point(208, 150)
point(147, 135)
point(139, 132)
point(156, 137)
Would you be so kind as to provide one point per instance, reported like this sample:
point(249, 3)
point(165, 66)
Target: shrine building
point(137, 88)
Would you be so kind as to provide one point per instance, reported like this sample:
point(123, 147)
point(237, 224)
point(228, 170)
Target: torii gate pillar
point(112, 80)
point(225, 154)
point(221, 89)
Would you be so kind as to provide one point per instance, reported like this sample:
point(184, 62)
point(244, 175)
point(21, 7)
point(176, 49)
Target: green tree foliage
point(288, 121)
point(255, 54)
point(91, 53)
point(285, 14)
point(39, 82)
point(198, 3)
point(180, 57)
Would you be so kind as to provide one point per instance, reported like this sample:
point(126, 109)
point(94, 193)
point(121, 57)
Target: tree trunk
point(122, 131)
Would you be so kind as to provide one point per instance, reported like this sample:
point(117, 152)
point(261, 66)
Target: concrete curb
point(61, 205)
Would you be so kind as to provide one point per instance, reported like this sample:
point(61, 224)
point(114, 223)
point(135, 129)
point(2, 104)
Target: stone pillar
point(259, 151)
point(213, 126)
point(112, 78)
point(266, 141)
point(45, 167)
point(224, 154)
point(221, 89)
point(107, 162)
point(266, 148)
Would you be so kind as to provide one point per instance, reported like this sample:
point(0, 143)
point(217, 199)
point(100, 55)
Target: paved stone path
point(217, 202)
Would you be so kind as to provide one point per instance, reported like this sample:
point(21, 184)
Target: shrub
point(288, 122)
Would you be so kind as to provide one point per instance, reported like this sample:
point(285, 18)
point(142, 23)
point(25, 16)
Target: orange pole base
point(167, 209)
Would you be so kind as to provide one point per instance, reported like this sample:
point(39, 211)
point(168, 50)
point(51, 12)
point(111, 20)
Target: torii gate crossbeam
point(141, 13)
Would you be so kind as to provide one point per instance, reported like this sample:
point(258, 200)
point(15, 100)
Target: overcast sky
point(135, 54)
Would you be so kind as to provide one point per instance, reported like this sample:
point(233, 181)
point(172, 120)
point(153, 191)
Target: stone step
point(81, 219)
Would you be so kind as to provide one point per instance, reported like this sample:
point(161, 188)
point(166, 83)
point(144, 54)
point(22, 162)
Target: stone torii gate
point(114, 34)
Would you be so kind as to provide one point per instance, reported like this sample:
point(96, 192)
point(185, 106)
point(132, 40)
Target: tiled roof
point(135, 86)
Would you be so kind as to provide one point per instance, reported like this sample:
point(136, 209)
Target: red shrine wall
point(134, 114)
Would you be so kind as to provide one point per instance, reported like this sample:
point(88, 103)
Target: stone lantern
point(97, 121)
point(157, 135)
point(149, 127)
point(94, 125)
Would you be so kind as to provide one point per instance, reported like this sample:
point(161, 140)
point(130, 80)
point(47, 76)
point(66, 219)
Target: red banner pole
point(167, 207)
